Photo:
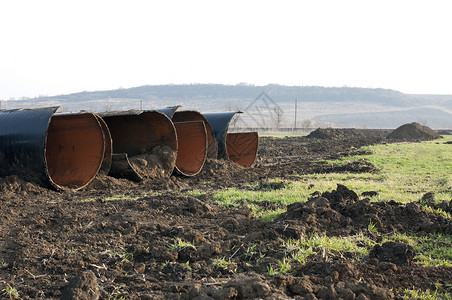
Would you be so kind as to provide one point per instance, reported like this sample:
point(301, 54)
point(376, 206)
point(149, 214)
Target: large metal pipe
point(192, 147)
point(242, 147)
point(138, 132)
point(193, 136)
point(237, 147)
point(62, 151)
point(191, 115)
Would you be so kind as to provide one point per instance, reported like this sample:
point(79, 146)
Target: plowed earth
point(119, 239)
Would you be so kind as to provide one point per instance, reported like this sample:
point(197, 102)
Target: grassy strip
point(407, 172)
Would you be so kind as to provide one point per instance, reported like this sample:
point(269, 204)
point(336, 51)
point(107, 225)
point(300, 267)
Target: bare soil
point(117, 238)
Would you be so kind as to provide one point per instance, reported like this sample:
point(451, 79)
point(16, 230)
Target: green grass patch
point(407, 172)
point(431, 250)
point(180, 244)
point(357, 244)
point(266, 201)
point(426, 295)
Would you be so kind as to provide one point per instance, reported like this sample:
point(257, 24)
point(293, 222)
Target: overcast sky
point(59, 47)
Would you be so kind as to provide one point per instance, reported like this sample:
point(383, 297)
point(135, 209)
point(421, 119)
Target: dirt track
point(61, 244)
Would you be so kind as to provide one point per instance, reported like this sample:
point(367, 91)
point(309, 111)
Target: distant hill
point(279, 93)
point(316, 105)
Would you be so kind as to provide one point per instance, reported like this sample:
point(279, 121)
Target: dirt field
point(87, 245)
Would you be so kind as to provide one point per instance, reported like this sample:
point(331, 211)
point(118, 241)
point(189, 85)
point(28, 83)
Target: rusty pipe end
point(242, 147)
point(74, 150)
point(192, 147)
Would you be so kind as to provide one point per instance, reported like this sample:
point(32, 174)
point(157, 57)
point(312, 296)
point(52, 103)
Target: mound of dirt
point(336, 133)
point(104, 182)
point(220, 171)
point(413, 132)
point(157, 164)
point(15, 186)
point(341, 212)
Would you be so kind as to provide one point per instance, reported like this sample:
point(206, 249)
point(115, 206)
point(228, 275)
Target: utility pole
point(141, 104)
point(296, 105)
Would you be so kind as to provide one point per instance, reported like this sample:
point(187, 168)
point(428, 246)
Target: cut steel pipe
point(62, 151)
point(193, 138)
point(138, 132)
point(192, 147)
point(240, 148)
point(191, 115)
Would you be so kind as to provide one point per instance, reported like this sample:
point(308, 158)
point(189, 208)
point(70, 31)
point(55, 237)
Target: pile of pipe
point(67, 151)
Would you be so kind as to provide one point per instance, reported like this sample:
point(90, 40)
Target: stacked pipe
point(66, 151)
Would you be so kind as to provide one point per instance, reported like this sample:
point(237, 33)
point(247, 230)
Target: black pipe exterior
point(220, 124)
point(23, 141)
point(169, 111)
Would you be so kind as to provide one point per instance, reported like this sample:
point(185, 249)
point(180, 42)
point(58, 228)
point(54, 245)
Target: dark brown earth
point(413, 131)
point(117, 239)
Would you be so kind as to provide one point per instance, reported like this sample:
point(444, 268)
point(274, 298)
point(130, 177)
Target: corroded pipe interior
point(74, 150)
point(242, 147)
point(185, 116)
point(138, 134)
point(192, 142)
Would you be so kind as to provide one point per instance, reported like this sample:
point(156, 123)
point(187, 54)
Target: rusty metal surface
point(135, 133)
point(192, 115)
point(74, 150)
point(22, 142)
point(138, 133)
point(192, 147)
point(106, 163)
point(242, 147)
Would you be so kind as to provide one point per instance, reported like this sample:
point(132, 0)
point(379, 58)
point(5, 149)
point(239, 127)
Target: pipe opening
point(189, 115)
point(242, 147)
point(192, 142)
point(149, 140)
point(74, 150)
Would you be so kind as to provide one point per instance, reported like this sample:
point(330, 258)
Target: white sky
point(63, 46)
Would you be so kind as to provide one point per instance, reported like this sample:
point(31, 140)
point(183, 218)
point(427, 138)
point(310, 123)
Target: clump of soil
point(413, 132)
point(394, 252)
point(155, 165)
point(83, 286)
point(341, 212)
